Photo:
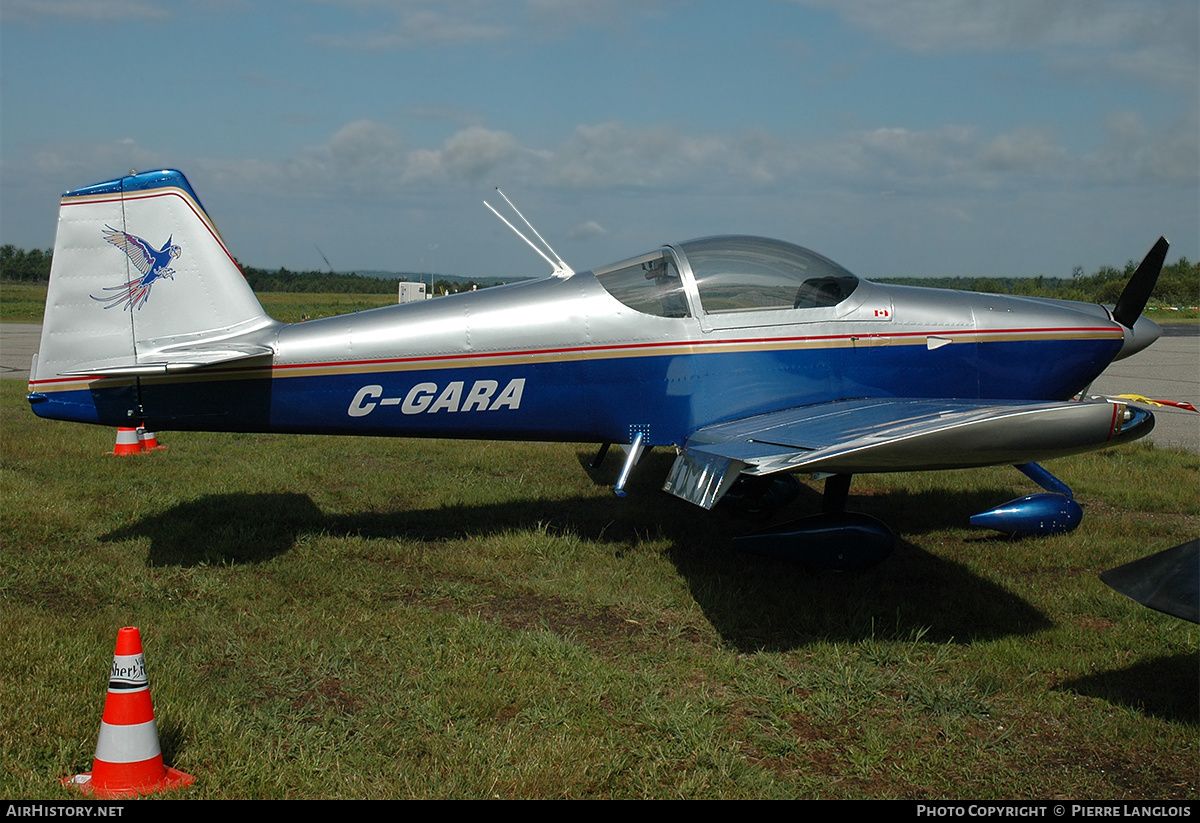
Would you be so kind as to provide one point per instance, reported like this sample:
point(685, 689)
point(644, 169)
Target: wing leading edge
point(896, 434)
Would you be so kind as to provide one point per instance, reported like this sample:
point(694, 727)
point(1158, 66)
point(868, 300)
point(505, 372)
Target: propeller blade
point(1137, 292)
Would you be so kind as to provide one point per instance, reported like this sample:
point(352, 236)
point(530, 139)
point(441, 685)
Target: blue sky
point(899, 137)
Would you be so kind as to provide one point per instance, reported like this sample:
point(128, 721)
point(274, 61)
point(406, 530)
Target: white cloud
point(81, 163)
point(614, 155)
point(383, 25)
point(1132, 152)
point(368, 157)
point(589, 228)
point(419, 27)
point(1024, 150)
point(646, 185)
point(466, 157)
point(366, 145)
point(1153, 39)
point(82, 10)
point(939, 25)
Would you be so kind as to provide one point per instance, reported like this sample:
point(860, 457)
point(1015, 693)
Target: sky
point(897, 137)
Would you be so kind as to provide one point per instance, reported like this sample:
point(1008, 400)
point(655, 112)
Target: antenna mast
point(323, 257)
point(561, 269)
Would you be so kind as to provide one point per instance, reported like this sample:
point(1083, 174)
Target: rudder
point(140, 283)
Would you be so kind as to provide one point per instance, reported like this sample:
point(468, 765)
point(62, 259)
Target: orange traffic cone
point(127, 442)
point(148, 439)
point(128, 760)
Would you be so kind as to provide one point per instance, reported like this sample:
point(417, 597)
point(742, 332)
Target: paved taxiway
point(1169, 369)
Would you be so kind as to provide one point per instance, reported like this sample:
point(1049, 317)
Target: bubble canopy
point(732, 274)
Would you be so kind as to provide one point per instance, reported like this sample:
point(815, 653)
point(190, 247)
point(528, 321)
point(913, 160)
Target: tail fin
point(141, 284)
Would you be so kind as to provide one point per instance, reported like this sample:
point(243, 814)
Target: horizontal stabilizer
point(179, 360)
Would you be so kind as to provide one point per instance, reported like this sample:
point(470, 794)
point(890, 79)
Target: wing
point(139, 250)
point(895, 434)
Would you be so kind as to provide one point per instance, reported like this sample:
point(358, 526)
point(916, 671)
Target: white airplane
point(752, 358)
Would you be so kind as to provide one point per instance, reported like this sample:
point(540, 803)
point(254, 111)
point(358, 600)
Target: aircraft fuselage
point(561, 359)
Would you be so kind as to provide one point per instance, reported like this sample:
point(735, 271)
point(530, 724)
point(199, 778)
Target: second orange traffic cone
point(128, 759)
point(148, 440)
point(127, 442)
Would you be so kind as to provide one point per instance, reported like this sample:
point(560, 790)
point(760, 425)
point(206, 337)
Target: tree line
point(324, 282)
point(18, 265)
point(1178, 285)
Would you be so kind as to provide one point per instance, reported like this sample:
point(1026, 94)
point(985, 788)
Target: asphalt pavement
point(1168, 370)
point(18, 342)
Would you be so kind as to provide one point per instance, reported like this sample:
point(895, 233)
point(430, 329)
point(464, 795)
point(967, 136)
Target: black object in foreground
point(1168, 582)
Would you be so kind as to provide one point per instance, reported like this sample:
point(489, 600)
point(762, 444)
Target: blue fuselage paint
point(594, 382)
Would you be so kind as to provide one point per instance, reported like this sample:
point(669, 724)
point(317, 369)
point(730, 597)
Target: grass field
point(26, 302)
point(350, 617)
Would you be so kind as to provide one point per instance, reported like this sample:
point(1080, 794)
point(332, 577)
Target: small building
point(412, 292)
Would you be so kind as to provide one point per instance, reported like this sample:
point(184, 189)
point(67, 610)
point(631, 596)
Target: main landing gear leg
point(599, 458)
point(837, 492)
point(631, 459)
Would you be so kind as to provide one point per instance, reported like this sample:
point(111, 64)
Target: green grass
point(26, 302)
point(1166, 316)
point(291, 307)
point(22, 302)
point(350, 617)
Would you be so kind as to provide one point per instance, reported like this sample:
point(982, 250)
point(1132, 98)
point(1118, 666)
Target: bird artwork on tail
point(152, 264)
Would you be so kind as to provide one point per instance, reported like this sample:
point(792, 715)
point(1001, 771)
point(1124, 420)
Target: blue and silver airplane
point(751, 358)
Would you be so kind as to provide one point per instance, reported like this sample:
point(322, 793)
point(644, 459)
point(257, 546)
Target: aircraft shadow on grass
point(753, 602)
point(1163, 687)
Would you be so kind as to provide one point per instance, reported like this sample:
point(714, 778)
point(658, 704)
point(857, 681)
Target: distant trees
point(24, 266)
point(316, 282)
point(454, 287)
point(34, 266)
point(1178, 285)
point(330, 283)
